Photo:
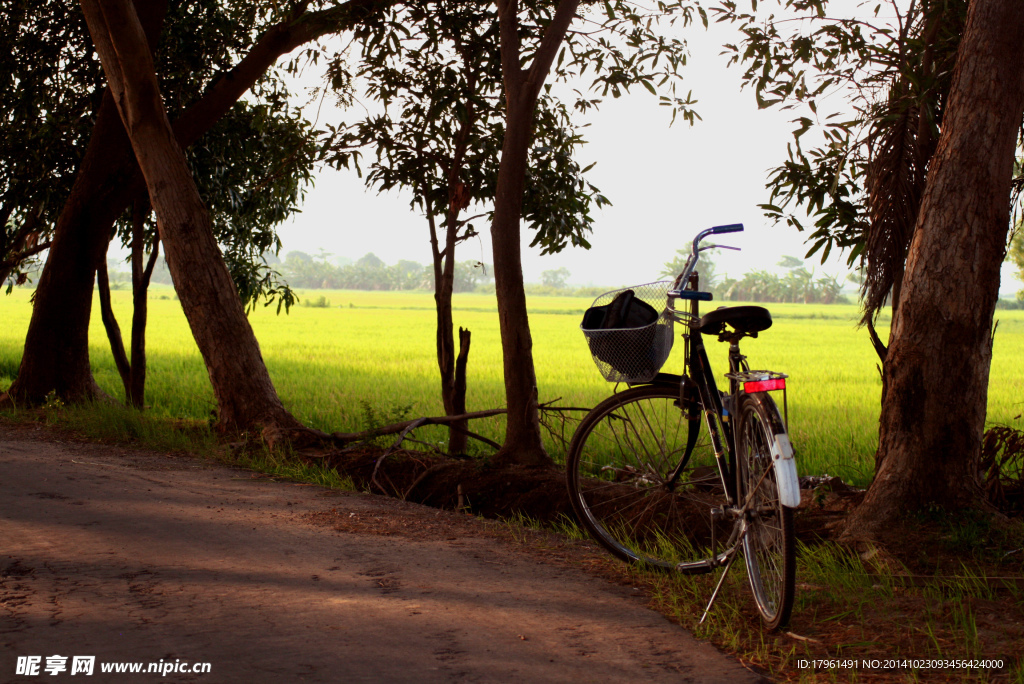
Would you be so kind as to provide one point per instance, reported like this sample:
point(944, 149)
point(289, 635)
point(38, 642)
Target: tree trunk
point(56, 355)
point(457, 434)
point(124, 368)
point(453, 382)
point(444, 281)
point(938, 361)
point(453, 370)
point(141, 277)
point(522, 433)
point(133, 372)
point(245, 396)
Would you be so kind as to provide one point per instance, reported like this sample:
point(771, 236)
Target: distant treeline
point(308, 272)
point(371, 273)
point(798, 285)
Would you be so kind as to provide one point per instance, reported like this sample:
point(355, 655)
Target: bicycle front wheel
point(768, 546)
point(643, 480)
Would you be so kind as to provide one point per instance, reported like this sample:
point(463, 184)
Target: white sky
point(665, 184)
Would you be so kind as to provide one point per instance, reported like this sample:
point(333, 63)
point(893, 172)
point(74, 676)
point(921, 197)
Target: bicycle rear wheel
point(627, 487)
point(768, 547)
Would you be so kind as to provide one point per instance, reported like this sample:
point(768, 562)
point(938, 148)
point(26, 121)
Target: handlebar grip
point(731, 228)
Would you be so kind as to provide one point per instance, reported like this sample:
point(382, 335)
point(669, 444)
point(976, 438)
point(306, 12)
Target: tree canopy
point(860, 175)
point(251, 168)
point(50, 87)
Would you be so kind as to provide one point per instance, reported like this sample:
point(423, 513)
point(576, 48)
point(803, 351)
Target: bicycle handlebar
point(691, 262)
point(731, 228)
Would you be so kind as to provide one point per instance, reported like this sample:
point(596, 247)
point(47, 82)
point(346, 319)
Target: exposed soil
point(135, 556)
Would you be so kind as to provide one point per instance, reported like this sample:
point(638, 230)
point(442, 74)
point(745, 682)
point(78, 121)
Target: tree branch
point(349, 437)
point(554, 34)
point(113, 329)
point(21, 256)
point(278, 40)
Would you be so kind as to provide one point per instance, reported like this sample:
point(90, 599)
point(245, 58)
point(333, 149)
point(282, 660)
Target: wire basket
point(630, 354)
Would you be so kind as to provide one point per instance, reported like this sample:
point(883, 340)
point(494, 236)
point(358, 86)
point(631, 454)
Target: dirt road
point(136, 557)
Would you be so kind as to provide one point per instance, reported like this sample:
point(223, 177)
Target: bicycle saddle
point(745, 320)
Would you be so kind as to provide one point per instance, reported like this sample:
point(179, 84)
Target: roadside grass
point(117, 424)
point(866, 619)
point(281, 467)
point(861, 616)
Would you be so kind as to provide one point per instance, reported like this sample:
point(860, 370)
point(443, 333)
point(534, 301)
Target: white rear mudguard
point(785, 471)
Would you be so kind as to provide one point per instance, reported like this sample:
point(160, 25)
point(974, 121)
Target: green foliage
point(374, 418)
point(370, 261)
point(42, 126)
point(555, 278)
point(709, 277)
point(790, 262)
point(1015, 255)
point(250, 169)
point(435, 68)
point(320, 302)
point(619, 45)
point(797, 285)
point(861, 175)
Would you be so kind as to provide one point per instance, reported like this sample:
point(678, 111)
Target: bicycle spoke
point(621, 462)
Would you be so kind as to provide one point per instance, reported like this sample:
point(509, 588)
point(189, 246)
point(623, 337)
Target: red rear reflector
point(764, 385)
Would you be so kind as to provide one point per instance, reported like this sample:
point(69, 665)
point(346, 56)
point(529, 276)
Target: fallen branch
point(275, 436)
point(349, 437)
point(479, 438)
point(411, 425)
point(558, 433)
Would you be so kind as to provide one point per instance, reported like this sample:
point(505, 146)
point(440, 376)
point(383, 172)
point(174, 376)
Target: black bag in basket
point(627, 351)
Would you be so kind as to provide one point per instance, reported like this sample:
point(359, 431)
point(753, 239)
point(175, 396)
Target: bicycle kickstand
point(721, 581)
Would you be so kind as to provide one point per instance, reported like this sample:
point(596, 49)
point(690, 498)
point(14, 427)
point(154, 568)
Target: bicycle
point(671, 472)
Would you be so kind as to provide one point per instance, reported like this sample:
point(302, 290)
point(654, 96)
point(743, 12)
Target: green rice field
point(377, 349)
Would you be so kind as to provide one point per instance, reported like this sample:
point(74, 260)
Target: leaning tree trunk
point(56, 355)
point(245, 396)
point(938, 362)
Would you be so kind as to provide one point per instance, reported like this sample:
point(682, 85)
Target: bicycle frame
point(716, 415)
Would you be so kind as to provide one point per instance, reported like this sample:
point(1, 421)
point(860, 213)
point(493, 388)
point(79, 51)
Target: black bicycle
point(671, 472)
